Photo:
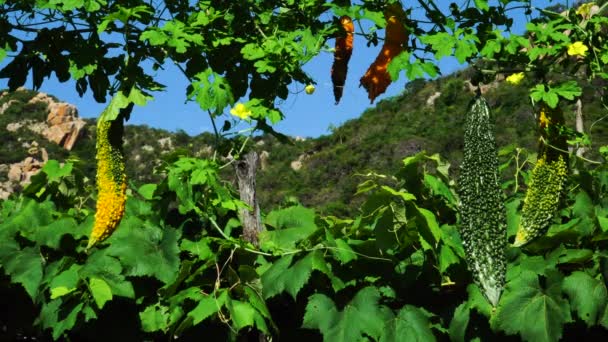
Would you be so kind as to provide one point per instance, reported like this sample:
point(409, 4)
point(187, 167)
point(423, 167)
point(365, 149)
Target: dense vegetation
point(376, 141)
point(410, 259)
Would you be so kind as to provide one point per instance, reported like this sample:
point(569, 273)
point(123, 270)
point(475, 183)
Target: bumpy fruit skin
point(344, 49)
point(111, 180)
point(483, 226)
point(377, 78)
point(548, 178)
point(542, 199)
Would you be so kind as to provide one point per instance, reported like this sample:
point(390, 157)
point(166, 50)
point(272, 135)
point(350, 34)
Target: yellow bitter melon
point(483, 223)
point(547, 180)
point(111, 180)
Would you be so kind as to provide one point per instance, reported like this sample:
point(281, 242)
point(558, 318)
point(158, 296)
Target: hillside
point(318, 172)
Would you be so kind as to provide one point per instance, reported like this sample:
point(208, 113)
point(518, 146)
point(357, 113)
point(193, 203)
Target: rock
point(430, 102)
point(65, 127)
point(62, 126)
point(44, 154)
point(6, 105)
point(147, 148)
point(23, 171)
point(166, 143)
point(6, 189)
point(65, 134)
point(264, 160)
point(297, 164)
point(40, 97)
point(14, 126)
point(60, 113)
point(37, 127)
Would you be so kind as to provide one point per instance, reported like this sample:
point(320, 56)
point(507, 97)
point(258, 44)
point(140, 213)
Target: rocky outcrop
point(264, 160)
point(430, 102)
point(65, 127)
point(297, 164)
point(166, 143)
point(62, 126)
point(19, 174)
point(6, 105)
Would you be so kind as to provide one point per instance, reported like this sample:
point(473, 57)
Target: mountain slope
point(319, 172)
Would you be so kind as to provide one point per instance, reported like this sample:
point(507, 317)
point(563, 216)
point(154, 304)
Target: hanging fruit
point(548, 178)
point(344, 49)
point(376, 78)
point(111, 179)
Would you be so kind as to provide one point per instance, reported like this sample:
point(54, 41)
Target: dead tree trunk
point(250, 218)
point(578, 111)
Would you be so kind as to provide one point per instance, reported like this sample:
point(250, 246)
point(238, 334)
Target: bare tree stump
point(245, 172)
point(578, 111)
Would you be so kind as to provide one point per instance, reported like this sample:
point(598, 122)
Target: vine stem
point(217, 227)
point(569, 153)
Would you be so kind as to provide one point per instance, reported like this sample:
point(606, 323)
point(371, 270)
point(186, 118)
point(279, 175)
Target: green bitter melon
point(483, 223)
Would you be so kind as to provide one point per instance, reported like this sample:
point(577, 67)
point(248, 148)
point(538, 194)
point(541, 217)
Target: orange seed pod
point(376, 78)
point(344, 49)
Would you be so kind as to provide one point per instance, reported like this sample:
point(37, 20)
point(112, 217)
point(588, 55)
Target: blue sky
point(306, 115)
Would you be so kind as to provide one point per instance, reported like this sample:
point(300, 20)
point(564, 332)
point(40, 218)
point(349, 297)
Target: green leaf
point(119, 101)
point(67, 323)
point(199, 248)
point(147, 191)
point(363, 315)
point(154, 36)
point(603, 222)
point(568, 90)
point(51, 235)
point(212, 91)
point(442, 43)
point(512, 216)
point(101, 265)
point(25, 268)
point(583, 205)
point(535, 313)
point(428, 228)
point(65, 282)
point(343, 252)
point(101, 291)
point(25, 218)
point(447, 257)
point(439, 188)
point(482, 5)
point(206, 307)
point(411, 324)
point(3, 51)
point(59, 317)
point(282, 276)
point(588, 296)
point(154, 318)
point(155, 252)
point(243, 314)
point(464, 49)
point(291, 225)
point(460, 322)
point(400, 62)
point(478, 301)
point(55, 172)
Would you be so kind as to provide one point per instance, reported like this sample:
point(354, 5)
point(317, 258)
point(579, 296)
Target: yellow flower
point(241, 111)
point(577, 49)
point(585, 9)
point(516, 78)
point(309, 89)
